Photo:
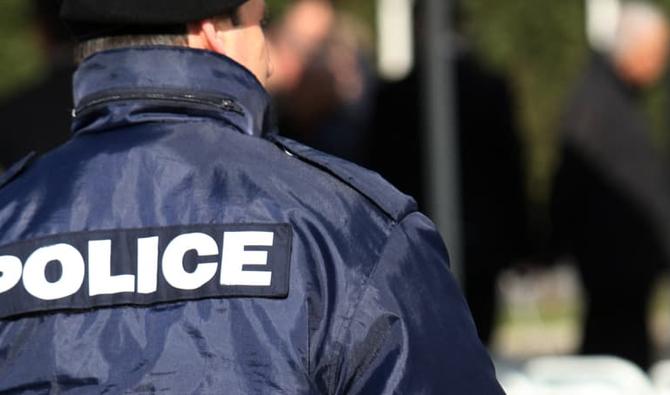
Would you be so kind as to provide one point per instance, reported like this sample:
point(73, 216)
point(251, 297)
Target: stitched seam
point(344, 326)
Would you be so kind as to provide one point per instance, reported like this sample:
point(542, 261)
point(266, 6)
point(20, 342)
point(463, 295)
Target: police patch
point(144, 267)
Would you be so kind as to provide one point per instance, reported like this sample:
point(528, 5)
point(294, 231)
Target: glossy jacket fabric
point(168, 136)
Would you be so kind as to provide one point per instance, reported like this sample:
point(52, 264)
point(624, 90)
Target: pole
point(441, 154)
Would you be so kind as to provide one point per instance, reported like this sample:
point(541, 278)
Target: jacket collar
point(187, 76)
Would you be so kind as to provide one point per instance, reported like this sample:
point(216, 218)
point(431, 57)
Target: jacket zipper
point(225, 104)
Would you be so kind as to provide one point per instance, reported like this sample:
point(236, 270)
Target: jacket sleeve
point(412, 332)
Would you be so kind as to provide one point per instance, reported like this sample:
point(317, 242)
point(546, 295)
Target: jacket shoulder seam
point(394, 213)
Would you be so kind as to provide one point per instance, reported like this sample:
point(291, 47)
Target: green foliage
point(20, 58)
point(541, 46)
point(365, 9)
point(276, 7)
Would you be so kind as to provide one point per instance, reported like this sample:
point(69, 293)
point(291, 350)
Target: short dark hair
point(89, 47)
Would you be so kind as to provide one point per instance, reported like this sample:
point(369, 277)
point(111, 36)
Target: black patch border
point(17, 302)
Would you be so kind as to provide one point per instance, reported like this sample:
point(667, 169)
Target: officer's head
point(230, 27)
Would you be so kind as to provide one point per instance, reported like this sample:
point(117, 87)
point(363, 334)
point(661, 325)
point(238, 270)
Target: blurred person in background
point(323, 83)
point(493, 202)
point(38, 118)
point(610, 197)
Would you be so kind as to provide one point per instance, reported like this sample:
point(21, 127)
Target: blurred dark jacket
point(608, 209)
point(493, 205)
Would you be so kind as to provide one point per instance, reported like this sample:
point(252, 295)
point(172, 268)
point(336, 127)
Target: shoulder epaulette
point(368, 183)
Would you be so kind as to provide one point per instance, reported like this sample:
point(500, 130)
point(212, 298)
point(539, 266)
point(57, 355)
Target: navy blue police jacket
point(176, 244)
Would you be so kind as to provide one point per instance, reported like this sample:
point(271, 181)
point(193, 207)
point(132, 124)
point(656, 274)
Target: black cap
point(94, 18)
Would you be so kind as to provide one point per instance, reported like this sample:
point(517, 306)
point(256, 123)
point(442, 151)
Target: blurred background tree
point(20, 57)
point(540, 45)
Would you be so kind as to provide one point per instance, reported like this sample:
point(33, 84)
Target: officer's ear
point(207, 34)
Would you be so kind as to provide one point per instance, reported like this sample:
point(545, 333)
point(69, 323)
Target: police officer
point(176, 243)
